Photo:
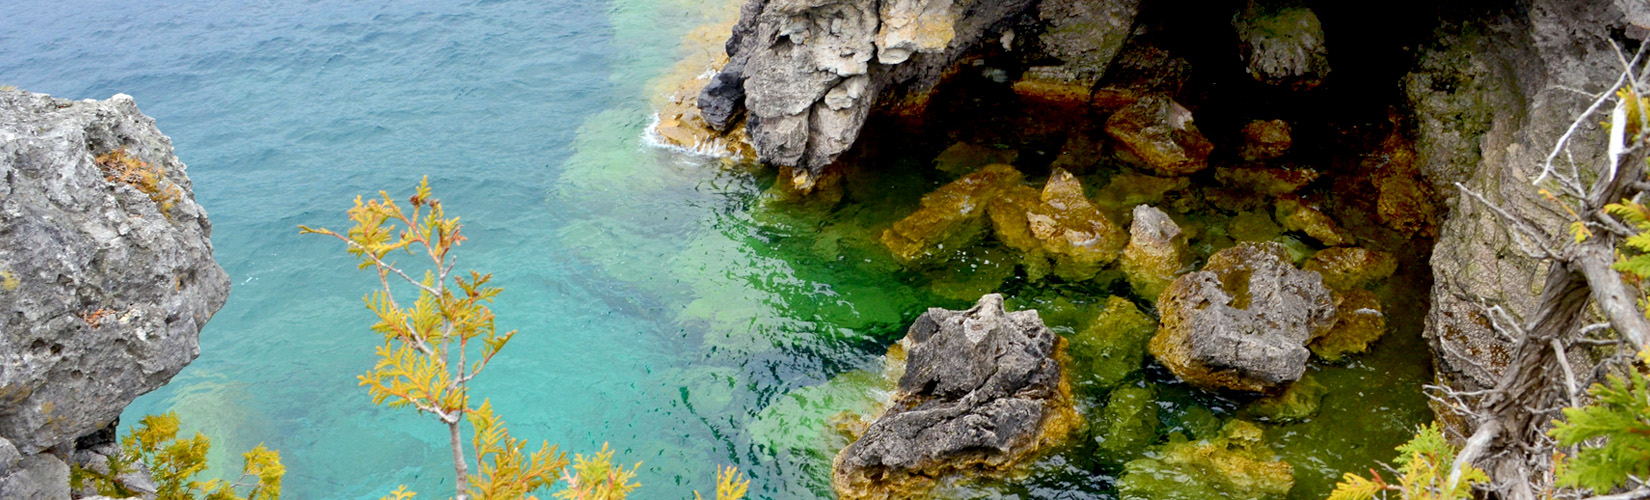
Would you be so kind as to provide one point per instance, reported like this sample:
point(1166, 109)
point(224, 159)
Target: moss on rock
point(1126, 426)
point(1112, 347)
point(950, 216)
point(1058, 226)
point(1298, 216)
point(1299, 402)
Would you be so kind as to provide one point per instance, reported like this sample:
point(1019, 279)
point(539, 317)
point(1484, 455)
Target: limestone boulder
point(106, 283)
point(1243, 322)
point(951, 216)
point(1282, 44)
point(1058, 230)
point(981, 391)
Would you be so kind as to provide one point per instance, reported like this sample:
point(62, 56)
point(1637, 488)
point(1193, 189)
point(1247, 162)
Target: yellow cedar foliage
point(119, 166)
point(174, 463)
point(425, 361)
point(1423, 473)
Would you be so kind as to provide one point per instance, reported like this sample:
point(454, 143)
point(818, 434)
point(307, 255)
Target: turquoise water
point(647, 321)
point(668, 305)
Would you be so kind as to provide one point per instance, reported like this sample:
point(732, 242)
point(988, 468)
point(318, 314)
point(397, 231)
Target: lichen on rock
point(1236, 465)
point(1242, 322)
point(981, 392)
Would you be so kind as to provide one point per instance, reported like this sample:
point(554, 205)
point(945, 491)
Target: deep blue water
point(648, 319)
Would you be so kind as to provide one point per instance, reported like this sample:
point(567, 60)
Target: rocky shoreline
point(108, 277)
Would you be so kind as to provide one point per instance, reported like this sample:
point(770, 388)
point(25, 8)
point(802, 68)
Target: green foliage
point(1621, 416)
point(1423, 473)
point(1637, 215)
point(173, 464)
point(433, 347)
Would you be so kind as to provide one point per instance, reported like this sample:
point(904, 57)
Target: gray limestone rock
point(103, 292)
point(1282, 44)
point(38, 477)
point(1242, 322)
point(1489, 97)
point(8, 457)
point(978, 388)
point(811, 70)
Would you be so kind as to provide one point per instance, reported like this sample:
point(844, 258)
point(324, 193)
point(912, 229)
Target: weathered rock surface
point(981, 391)
point(1158, 133)
point(1268, 180)
point(104, 289)
point(1282, 44)
point(38, 477)
point(1489, 100)
point(808, 72)
point(1345, 268)
point(1298, 216)
point(951, 216)
point(1359, 322)
point(1243, 322)
point(1156, 253)
point(1141, 69)
point(1083, 36)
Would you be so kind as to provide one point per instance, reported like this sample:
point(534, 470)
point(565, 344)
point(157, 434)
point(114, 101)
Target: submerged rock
point(981, 391)
point(1237, 465)
point(1112, 347)
point(1265, 140)
point(1298, 216)
point(1159, 133)
point(1267, 180)
point(951, 216)
point(1059, 226)
point(1345, 268)
point(105, 280)
point(1299, 402)
point(1253, 226)
point(1359, 322)
point(1125, 190)
point(1283, 45)
point(962, 158)
point(1242, 322)
point(1156, 253)
point(1126, 425)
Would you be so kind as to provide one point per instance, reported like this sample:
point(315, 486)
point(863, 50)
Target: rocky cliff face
point(1490, 99)
point(806, 73)
point(106, 276)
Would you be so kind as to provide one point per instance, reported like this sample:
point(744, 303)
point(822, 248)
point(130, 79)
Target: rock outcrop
point(1489, 99)
point(1058, 230)
point(1243, 322)
point(1158, 133)
point(108, 275)
point(982, 390)
point(806, 73)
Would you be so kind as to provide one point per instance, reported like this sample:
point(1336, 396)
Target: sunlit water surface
point(662, 308)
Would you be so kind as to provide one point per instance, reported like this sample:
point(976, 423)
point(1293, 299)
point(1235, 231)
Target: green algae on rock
point(1298, 216)
point(1126, 189)
point(950, 216)
point(1253, 226)
point(1126, 425)
point(1264, 179)
point(1299, 402)
point(1358, 323)
point(1158, 133)
point(1112, 347)
point(962, 158)
point(1237, 465)
point(1156, 253)
point(1345, 268)
point(1059, 226)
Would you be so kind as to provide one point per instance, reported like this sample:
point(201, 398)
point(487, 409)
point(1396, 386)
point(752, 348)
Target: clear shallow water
point(664, 308)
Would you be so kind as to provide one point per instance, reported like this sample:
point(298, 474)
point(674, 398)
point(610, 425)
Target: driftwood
point(1511, 419)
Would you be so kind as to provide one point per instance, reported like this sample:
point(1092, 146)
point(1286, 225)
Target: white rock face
point(102, 293)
